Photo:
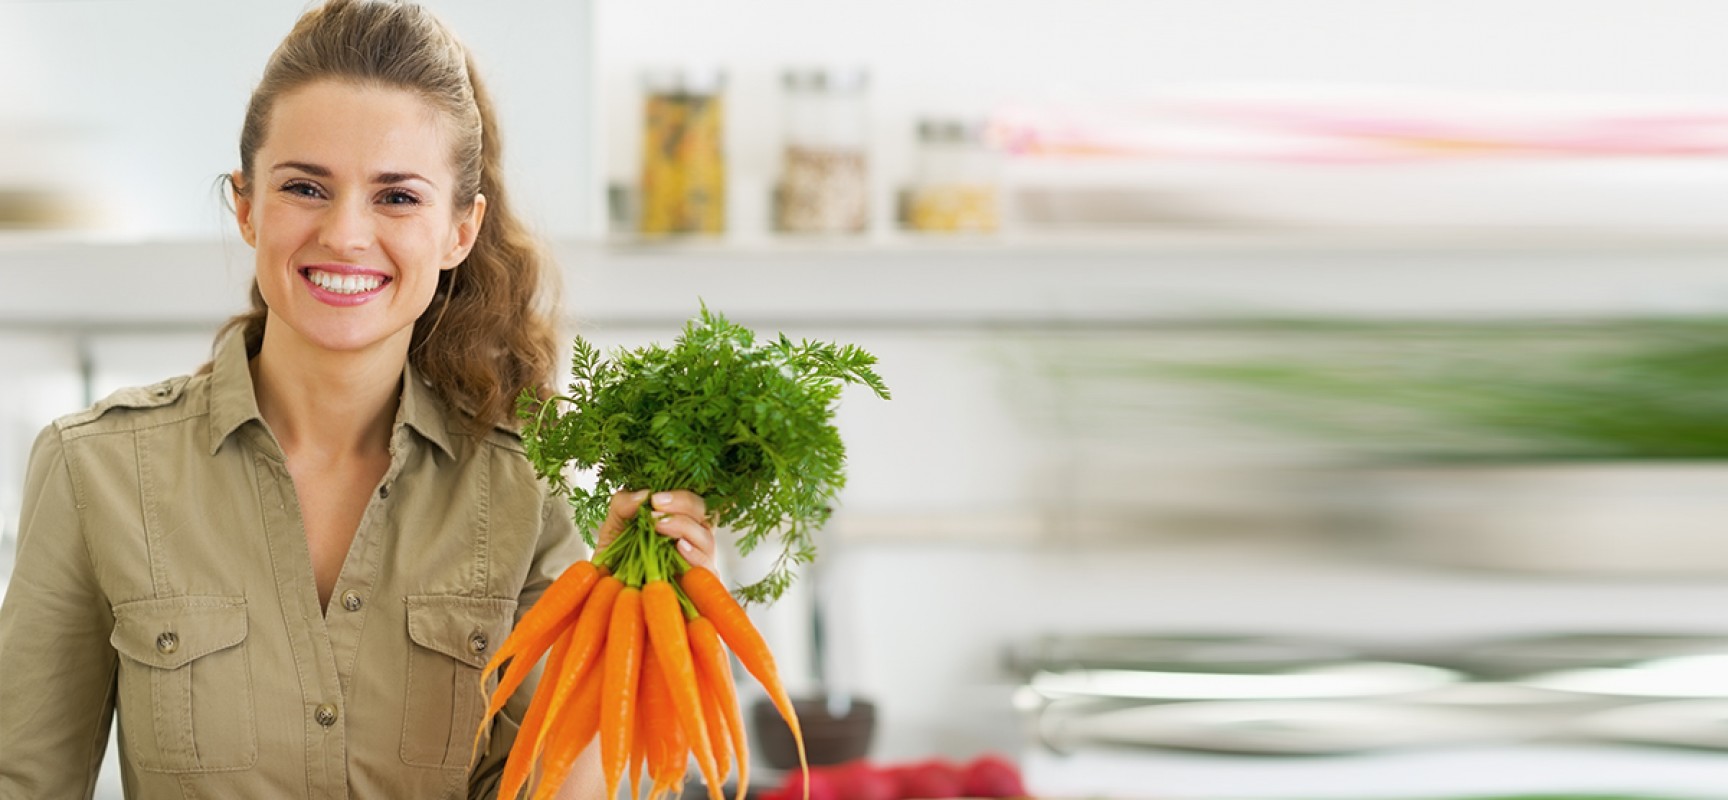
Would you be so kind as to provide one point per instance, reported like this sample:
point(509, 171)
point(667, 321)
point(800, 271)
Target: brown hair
point(488, 333)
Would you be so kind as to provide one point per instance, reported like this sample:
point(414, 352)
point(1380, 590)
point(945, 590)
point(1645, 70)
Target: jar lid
point(935, 130)
point(837, 80)
point(684, 79)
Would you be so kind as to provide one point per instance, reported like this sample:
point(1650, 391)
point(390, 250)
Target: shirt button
point(167, 642)
point(326, 715)
point(384, 492)
point(351, 600)
point(477, 642)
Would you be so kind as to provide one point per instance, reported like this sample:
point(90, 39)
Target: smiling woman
point(285, 574)
point(352, 217)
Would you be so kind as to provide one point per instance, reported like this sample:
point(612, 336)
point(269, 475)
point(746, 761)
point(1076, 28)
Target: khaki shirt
point(162, 574)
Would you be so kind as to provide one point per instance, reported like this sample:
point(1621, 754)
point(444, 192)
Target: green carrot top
point(746, 424)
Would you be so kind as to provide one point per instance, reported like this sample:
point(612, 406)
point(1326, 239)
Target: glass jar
point(683, 152)
point(824, 182)
point(956, 185)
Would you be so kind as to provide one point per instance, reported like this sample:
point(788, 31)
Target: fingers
point(679, 514)
point(695, 537)
point(618, 514)
point(679, 501)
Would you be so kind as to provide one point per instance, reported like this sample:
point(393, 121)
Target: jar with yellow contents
point(683, 152)
point(956, 186)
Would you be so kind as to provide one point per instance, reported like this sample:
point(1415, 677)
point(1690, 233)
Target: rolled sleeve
point(56, 665)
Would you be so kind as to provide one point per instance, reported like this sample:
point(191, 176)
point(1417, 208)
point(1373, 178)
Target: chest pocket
point(185, 695)
point(452, 639)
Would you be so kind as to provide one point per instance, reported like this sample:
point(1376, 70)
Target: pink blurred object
point(987, 776)
point(860, 780)
point(1362, 130)
point(991, 776)
point(934, 779)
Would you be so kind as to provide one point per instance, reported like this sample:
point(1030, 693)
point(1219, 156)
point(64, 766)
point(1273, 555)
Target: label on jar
point(683, 165)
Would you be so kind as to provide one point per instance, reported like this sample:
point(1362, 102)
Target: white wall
point(967, 56)
point(137, 105)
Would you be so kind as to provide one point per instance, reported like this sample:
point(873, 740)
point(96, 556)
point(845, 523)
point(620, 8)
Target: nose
point(347, 226)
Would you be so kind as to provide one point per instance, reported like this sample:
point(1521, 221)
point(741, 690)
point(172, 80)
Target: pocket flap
point(467, 629)
point(171, 632)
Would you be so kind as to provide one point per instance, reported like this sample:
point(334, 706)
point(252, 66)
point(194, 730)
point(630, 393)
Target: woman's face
point(351, 212)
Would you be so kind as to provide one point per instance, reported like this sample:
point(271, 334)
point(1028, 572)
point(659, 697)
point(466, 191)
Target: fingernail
point(662, 499)
point(684, 546)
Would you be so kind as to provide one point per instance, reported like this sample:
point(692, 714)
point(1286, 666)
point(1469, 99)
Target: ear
point(243, 206)
point(467, 231)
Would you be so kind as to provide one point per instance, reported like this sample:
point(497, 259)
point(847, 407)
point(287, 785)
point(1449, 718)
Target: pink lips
point(328, 297)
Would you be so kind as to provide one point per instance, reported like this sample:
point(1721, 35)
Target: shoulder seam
point(82, 430)
point(78, 503)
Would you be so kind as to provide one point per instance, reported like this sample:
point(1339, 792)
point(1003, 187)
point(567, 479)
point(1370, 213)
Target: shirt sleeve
point(57, 700)
point(559, 547)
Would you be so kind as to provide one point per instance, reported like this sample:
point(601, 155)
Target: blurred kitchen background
point(1293, 398)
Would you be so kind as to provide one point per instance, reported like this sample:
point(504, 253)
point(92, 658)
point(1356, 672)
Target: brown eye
point(301, 189)
point(400, 197)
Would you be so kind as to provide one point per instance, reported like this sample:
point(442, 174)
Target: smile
point(344, 284)
point(341, 285)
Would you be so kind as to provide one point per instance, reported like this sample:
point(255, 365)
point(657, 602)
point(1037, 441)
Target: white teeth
point(344, 284)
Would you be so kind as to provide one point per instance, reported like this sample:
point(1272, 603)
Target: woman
point(285, 573)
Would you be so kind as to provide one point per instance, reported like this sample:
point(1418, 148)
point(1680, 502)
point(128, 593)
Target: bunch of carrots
point(640, 661)
point(635, 640)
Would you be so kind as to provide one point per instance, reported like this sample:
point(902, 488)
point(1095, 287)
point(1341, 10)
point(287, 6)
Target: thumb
point(618, 514)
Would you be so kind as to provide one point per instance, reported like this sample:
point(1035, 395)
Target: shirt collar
point(423, 410)
point(233, 402)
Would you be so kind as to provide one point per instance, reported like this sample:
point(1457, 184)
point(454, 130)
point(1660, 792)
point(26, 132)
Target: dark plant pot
point(827, 739)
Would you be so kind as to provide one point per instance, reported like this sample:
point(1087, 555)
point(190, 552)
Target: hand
point(682, 515)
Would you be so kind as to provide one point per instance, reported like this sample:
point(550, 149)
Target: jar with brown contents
point(824, 183)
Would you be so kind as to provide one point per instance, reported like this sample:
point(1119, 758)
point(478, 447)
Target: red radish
point(991, 776)
point(931, 780)
point(859, 780)
point(822, 784)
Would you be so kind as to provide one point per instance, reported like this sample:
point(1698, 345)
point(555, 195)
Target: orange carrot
point(587, 642)
point(665, 617)
point(667, 750)
point(541, 625)
point(587, 637)
point(718, 736)
point(712, 601)
point(575, 730)
point(518, 764)
point(560, 601)
point(714, 667)
point(623, 664)
point(640, 731)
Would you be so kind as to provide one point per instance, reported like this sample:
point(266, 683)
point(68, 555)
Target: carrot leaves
point(747, 424)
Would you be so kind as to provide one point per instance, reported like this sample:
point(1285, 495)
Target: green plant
point(746, 424)
point(1642, 389)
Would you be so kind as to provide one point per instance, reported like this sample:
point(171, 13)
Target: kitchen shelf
point(1090, 280)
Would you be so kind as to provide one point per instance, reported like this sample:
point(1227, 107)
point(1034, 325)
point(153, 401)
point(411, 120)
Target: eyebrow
point(380, 178)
